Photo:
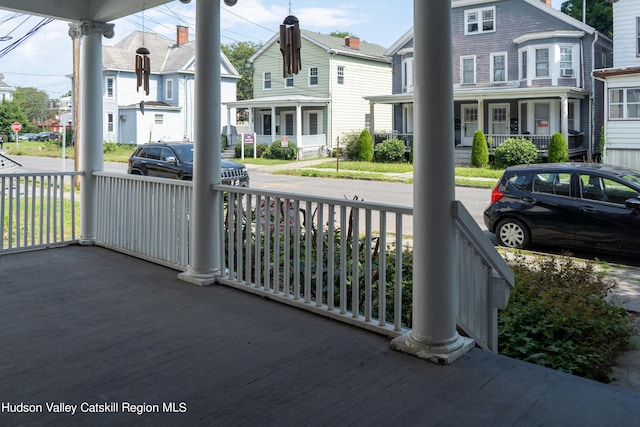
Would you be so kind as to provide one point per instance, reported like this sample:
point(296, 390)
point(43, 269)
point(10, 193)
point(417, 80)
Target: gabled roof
point(4, 86)
point(335, 45)
point(165, 55)
point(402, 41)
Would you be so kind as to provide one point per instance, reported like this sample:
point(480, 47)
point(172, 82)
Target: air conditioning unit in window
point(566, 72)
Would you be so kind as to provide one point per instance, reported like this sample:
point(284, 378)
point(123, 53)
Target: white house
point(6, 90)
point(167, 112)
point(622, 86)
point(325, 99)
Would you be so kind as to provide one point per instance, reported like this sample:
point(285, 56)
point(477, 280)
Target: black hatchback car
point(175, 160)
point(569, 205)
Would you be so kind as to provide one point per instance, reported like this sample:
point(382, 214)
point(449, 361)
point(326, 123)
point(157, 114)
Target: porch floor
point(86, 324)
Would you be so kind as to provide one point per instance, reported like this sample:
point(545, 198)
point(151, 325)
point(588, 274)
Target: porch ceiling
point(280, 101)
point(76, 10)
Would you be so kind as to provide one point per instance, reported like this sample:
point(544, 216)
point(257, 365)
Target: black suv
point(175, 160)
point(570, 205)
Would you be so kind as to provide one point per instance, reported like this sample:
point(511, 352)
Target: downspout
point(329, 105)
point(592, 99)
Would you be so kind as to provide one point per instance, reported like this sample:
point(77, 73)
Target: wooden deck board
point(85, 324)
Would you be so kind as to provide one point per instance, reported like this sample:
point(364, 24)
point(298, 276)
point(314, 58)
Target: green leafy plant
point(248, 150)
point(515, 151)
point(365, 146)
point(479, 150)
point(390, 151)
point(281, 152)
point(602, 143)
point(558, 149)
point(564, 315)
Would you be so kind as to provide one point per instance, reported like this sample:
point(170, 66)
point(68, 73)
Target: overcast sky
point(44, 60)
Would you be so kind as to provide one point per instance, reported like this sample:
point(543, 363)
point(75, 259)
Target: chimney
point(352, 42)
point(547, 2)
point(183, 35)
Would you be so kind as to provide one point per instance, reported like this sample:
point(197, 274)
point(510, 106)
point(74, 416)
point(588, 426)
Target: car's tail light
point(496, 194)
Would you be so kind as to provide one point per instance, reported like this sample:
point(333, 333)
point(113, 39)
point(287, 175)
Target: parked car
point(570, 205)
point(24, 136)
point(175, 160)
point(46, 136)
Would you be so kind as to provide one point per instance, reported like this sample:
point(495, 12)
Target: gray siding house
point(520, 68)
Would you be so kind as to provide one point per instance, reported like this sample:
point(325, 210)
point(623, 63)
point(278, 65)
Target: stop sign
point(16, 126)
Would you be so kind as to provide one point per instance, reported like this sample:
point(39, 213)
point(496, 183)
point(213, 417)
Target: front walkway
point(90, 327)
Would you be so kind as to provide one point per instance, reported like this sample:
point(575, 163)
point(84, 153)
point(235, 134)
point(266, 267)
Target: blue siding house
point(520, 68)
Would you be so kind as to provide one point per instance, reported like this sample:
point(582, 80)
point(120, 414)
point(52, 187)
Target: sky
point(44, 60)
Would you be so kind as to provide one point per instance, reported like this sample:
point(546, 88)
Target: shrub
point(564, 315)
point(479, 150)
point(277, 151)
point(390, 151)
point(349, 145)
point(516, 151)
point(365, 146)
point(602, 144)
point(248, 150)
point(558, 149)
point(109, 147)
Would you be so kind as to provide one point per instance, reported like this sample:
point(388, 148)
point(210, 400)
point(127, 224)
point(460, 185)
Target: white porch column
point(229, 125)
point(564, 114)
point(481, 117)
point(90, 137)
point(273, 125)
point(298, 129)
point(372, 123)
point(435, 291)
point(206, 204)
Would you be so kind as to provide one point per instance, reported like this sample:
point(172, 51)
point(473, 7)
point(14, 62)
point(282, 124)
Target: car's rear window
point(520, 180)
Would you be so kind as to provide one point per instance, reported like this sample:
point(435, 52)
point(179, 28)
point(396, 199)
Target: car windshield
point(184, 152)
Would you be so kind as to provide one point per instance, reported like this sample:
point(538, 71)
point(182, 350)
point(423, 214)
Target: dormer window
point(479, 21)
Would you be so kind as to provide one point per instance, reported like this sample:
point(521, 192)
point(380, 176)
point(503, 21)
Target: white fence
point(38, 210)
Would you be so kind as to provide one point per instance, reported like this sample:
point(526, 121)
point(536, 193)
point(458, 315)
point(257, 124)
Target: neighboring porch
point(297, 119)
point(134, 333)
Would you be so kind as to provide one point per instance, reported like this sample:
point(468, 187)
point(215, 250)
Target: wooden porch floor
point(89, 325)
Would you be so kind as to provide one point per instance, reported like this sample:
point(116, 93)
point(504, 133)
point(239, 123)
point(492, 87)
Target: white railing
point(321, 254)
point(485, 281)
point(300, 250)
point(145, 217)
point(38, 210)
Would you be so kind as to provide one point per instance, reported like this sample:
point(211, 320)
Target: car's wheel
point(513, 233)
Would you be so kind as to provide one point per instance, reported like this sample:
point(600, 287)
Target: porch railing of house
point(38, 210)
point(407, 138)
point(306, 141)
point(324, 255)
point(574, 141)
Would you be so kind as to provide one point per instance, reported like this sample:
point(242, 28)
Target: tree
point(558, 149)
point(479, 150)
point(365, 147)
point(34, 103)
point(341, 34)
point(599, 14)
point(239, 53)
point(10, 112)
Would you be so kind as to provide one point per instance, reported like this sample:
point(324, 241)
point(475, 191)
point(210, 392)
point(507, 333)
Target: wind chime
point(290, 44)
point(143, 65)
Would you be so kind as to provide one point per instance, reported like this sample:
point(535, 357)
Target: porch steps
point(462, 156)
point(229, 153)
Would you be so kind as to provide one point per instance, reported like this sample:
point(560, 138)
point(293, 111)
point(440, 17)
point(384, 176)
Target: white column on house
point(564, 114)
point(229, 142)
point(273, 125)
point(435, 291)
point(481, 116)
point(298, 128)
point(90, 138)
point(372, 125)
point(206, 204)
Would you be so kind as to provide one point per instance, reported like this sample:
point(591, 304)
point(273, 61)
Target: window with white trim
point(479, 21)
point(340, 74)
point(498, 67)
point(266, 80)
point(566, 61)
point(638, 36)
point(542, 62)
point(624, 103)
point(312, 122)
point(158, 119)
point(468, 70)
point(169, 90)
point(288, 81)
point(109, 87)
point(407, 75)
point(313, 76)
point(110, 122)
point(524, 64)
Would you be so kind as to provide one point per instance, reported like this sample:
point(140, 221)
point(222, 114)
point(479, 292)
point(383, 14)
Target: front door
point(469, 124)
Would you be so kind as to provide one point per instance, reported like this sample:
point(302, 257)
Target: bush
point(248, 150)
point(109, 147)
point(515, 151)
point(390, 151)
point(365, 146)
point(277, 151)
point(565, 316)
point(558, 149)
point(479, 150)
